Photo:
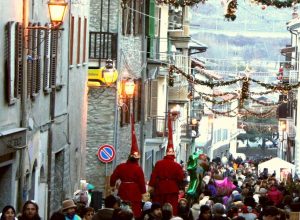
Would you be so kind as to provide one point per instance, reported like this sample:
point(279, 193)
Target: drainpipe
point(144, 60)
point(24, 112)
point(116, 107)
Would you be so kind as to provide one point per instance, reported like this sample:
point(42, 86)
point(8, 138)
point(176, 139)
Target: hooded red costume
point(167, 175)
point(132, 177)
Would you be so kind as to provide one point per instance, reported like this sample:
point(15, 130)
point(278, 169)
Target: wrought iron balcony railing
point(103, 45)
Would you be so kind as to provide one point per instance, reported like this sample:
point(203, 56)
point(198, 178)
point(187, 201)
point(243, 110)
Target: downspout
point(24, 112)
point(144, 59)
point(116, 107)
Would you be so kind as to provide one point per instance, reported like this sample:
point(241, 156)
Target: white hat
point(147, 206)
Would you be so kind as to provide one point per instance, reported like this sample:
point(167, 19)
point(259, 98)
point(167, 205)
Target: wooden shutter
point(126, 21)
point(146, 98)
point(10, 34)
point(38, 60)
point(29, 60)
point(53, 57)
point(71, 51)
point(137, 22)
point(19, 60)
point(46, 77)
point(138, 100)
point(154, 96)
point(33, 60)
point(79, 40)
point(84, 40)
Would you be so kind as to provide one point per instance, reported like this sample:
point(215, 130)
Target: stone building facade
point(102, 101)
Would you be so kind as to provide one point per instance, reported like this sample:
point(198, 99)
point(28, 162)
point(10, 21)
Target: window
point(79, 40)
point(131, 18)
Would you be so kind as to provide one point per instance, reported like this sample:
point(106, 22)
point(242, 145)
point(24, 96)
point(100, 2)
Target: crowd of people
point(225, 190)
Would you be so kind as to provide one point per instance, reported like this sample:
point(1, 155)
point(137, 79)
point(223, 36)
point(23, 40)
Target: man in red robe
point(132, 178)
point(167, 176)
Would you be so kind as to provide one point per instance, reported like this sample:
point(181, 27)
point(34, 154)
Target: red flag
point(134, 152)
point(170, 147)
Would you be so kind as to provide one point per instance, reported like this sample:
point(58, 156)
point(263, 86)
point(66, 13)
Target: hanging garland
point(279, 87)
point(263, 93)
point(278, 3)
point(226, 113)
point(180, 3)
point(265, 103)
point(219, 102)
point(262, 114)
point(191, 79)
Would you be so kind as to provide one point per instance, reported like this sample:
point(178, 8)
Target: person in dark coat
point(30, 211)
point(167, 176)
point(111, 203)
point(132, 178)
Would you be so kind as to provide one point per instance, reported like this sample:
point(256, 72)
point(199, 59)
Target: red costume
point(167, 176)
point(132, 178)
point(132, 184)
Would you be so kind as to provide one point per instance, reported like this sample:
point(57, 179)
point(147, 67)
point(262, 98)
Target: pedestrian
point(88, 213)
point(167, 176)
point(111, 203)
point(69, 210)
point(167, 211)
point(132, 178)
point(156, 212)
point(30, 211)
point(122, 214)
point(8, 213)
point(205, 213)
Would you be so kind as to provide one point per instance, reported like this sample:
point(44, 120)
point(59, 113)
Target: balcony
point(103, 45)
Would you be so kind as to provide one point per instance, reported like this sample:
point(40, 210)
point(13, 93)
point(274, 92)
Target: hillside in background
point(256, 35)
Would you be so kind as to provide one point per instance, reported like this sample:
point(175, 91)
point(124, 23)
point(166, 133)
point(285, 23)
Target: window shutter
point(71, 41)
point(53, 57)
point(33, 62)
point(46, 77)
point(154, 94)
point(19, 60)
point(29, 60)
point(9, 62)
point(137, 17)
point(138, 100)
point(84, 40)
point(38, 61)
point(146, 98)
point(79, 40)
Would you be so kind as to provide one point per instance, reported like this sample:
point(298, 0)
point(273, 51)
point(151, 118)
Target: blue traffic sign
point(106, 153)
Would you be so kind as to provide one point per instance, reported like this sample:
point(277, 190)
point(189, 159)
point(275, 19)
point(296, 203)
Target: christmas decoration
point(180, 3)
point(278, 3)
point(230, 10)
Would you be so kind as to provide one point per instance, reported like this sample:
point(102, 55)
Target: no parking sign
point(106, 153)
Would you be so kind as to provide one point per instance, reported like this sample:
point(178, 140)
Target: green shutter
point(152, 27)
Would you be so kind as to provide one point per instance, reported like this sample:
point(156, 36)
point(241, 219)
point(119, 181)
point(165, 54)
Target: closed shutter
point(84, 40)
point(137, 17)
point(38, 61)
point(33, 62)
point(53, 57)
point(146, 98)
point(79, 40)
point(138, 99)
point(19, 60)
point(46, 77)
point(154, 94)
point(29, 60)
point(9, 62)
point(71, 41)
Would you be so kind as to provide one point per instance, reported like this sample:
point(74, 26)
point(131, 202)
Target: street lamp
point(57, 10)
point(109, 73)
